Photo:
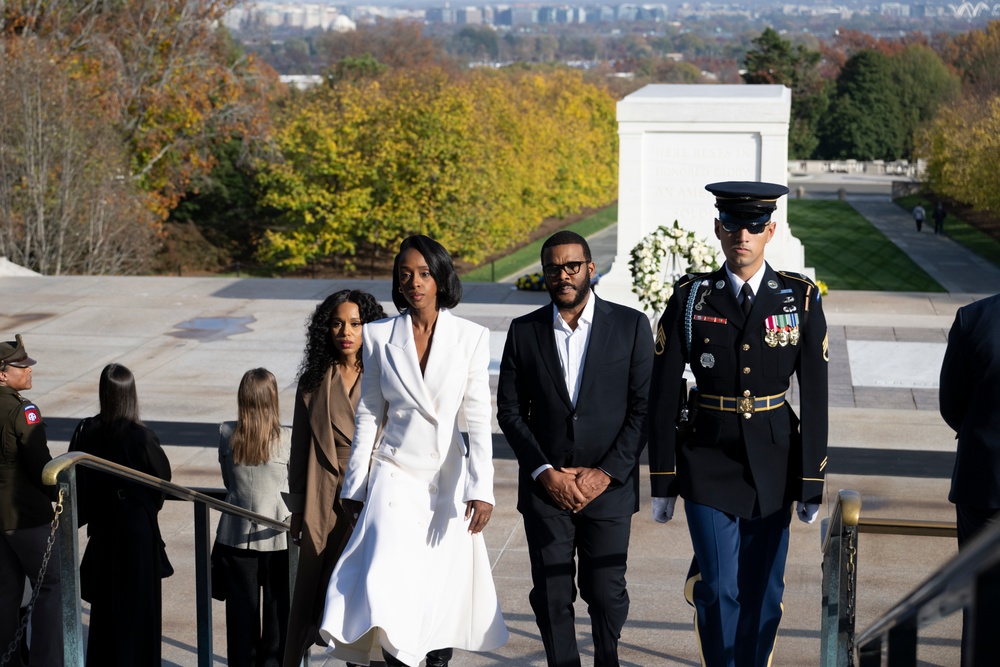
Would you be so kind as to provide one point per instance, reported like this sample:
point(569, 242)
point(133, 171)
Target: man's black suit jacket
point(970, 402)
point(606, 428)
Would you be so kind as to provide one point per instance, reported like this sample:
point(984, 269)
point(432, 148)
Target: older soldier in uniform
point(744, 330)
point(25, 513)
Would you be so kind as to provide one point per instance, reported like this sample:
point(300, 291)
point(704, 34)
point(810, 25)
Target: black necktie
point(747, 299)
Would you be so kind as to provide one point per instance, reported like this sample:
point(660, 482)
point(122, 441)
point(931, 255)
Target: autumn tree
point(67, 204)
point(475, 160)
point(161, 80)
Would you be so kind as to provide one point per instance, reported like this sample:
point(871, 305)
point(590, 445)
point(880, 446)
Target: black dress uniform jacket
point(740, 465)
point(24, 501)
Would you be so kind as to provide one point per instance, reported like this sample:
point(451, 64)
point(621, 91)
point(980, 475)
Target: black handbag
point(166, 569)
point(219, 588)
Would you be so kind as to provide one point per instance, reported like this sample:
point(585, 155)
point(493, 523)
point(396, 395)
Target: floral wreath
point(663, 256)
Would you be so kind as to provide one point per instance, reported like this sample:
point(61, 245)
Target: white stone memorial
point(674, 140)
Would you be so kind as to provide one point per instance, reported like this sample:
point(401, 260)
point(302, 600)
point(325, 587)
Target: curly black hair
point(449, 287)
point(320, 353)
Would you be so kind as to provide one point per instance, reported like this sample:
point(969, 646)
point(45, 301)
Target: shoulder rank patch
point(826, 347)
point(661, 341)
point(31, 414)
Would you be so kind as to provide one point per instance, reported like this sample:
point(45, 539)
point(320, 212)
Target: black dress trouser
point(257, 599)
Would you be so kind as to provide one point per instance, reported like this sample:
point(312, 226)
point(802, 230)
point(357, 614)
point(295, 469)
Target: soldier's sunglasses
point(731, 227)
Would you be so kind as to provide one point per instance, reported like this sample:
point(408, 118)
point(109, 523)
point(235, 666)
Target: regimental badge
point(31, 415)
point(720, 284)
point(661, 341)
point(782, 330)
point(707, 360)
point(772, 284)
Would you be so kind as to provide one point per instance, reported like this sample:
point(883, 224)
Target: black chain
point(15, 645)
point(852, 550)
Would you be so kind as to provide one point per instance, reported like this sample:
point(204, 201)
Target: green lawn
point(525, 259)
point(849, 254)
point(982, 244)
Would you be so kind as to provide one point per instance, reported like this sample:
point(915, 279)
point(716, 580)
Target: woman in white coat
point(414, 581)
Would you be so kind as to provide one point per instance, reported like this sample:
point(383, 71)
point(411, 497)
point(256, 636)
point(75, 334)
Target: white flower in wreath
point(663, 256)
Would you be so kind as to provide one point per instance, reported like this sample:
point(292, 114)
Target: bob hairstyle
point(118, 398)
point(258, 425)
point(321, 353)
point(449, 287)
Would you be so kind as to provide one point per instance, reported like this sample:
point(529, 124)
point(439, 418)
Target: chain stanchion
point(15, 644)
point(852, 550)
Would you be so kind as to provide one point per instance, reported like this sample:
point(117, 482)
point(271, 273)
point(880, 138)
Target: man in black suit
point(969, 396)
point(572, 402)
point(745, 329)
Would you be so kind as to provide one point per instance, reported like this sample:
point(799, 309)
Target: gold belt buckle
point(744, 404)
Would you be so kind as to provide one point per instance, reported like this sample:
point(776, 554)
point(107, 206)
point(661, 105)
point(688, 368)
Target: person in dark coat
point(745, 329)
point(25, 515)
point(939, 216)
point(969, 395)
point(124, 560)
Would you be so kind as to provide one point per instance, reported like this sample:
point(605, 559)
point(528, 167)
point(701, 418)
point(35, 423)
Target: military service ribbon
point(782, 330)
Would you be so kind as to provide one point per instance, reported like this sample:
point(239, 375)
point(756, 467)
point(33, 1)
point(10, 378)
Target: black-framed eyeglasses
point(731, 227)
point(571, 269)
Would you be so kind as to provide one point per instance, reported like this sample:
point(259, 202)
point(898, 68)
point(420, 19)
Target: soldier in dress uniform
point(25, 513)
point(744, 329)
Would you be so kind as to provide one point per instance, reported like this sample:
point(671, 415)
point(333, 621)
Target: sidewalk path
point(957, 268)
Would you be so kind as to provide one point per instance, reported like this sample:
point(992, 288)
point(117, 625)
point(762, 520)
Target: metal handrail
point(61, 472)
point(52, 469)
point(969, 580)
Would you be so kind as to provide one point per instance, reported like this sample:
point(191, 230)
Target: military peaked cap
point(746, 201)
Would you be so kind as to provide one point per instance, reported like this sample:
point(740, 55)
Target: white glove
point(807, 511)
point(663, 509)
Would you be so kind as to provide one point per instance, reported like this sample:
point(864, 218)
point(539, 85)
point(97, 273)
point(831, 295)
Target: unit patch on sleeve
point(31, 414)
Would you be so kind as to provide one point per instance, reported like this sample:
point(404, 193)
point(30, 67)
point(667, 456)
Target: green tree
point(775, 60)
point(865, 120)
point(924, 83)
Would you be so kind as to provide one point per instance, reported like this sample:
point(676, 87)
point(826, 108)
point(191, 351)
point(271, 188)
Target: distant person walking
point(969, 392)
point(939, 216)
point(919, 215)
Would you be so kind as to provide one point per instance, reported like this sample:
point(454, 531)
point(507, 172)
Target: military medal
point(771, 338)
point(780, 330)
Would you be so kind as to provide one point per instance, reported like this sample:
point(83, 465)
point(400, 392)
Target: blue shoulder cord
point(688, 315)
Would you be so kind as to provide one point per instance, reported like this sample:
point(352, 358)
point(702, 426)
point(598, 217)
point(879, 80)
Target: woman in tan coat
point(322, 428)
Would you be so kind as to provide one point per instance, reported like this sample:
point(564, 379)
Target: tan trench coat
point(322, 429)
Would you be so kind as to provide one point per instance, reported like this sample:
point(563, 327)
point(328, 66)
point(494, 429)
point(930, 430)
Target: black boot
point(439, 657)
point(436, 658)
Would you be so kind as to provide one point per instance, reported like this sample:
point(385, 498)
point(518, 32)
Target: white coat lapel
point(438, 373)
point(401, 353)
